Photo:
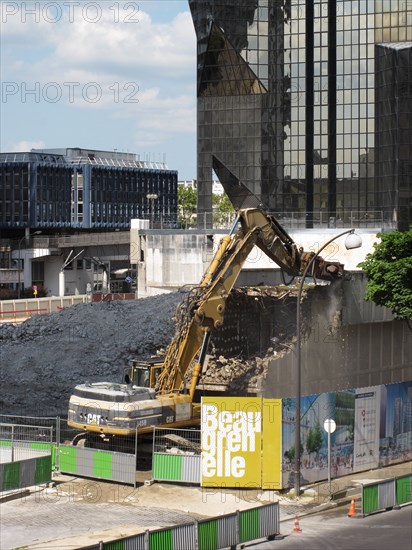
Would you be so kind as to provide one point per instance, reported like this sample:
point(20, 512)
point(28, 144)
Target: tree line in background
point(223, 211)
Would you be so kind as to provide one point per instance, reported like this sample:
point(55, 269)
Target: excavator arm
point(205, 306)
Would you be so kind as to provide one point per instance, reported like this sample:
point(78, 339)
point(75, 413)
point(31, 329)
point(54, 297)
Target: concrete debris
point(234, 372)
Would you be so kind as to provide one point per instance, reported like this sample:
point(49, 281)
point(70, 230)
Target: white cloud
point(105, 47)
point(148, 61)
point(28, 145)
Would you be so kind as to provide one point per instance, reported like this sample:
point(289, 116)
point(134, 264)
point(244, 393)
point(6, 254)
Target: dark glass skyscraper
point(309, 103)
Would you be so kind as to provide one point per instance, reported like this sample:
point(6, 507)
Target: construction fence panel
point(23, 441)
point(25, 473)
point(179, 537)
point(269, 520)
point(36, 426)
point(176, 455)
point(220, 532)
point(98, 464)
point(135, 542)
point(378, 496)
point(210, 534)
point(404, 490)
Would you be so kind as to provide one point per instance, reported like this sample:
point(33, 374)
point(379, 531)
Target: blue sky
point(103, 74)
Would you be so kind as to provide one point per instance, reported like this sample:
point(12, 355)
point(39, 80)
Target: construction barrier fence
point(25, 473)
point(176, 455)
point(31, 437)
point(20, 441)
point(108, 465)
point(226, 531)
point(13, 311)
point(384, 495)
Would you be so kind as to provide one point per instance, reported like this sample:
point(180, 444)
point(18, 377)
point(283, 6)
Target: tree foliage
point(314, 439)
point(187, 202)
point(389, 272)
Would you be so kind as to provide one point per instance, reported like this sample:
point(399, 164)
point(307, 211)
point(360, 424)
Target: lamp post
point(152, 197)
point(20, 241)
point(352, 241)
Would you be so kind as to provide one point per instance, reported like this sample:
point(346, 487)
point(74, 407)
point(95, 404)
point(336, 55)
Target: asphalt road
point(333, 529)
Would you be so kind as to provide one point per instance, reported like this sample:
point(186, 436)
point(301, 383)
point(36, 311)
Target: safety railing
point(12, 311)
point(261, 522)
point(386, 494)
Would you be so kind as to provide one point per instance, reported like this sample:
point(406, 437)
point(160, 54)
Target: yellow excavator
point(162, 394)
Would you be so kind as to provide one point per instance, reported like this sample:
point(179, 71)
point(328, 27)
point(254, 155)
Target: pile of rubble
point(235, 373)
point(45, 357)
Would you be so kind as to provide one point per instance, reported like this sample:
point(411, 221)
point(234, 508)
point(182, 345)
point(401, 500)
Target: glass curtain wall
point(287, 102)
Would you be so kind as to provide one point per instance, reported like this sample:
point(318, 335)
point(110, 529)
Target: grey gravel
point(45, 357)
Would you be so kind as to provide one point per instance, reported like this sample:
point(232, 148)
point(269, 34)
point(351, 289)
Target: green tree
point(186, 203)
point(389, 272)
point(314, 439)
point(223, 210)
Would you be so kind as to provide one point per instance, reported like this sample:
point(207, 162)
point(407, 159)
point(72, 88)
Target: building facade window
point(289, 96)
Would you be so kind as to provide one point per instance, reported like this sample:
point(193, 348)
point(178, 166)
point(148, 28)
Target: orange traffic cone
point(296, 528)
point(352, 511)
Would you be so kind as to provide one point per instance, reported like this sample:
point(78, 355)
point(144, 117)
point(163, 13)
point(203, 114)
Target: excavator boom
point(121, 409)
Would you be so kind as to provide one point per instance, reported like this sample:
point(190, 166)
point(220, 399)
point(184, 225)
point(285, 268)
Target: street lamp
point(352, 241)
point(152, 197)
point(20, 241)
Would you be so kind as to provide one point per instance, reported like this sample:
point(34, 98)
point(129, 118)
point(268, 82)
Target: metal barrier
point(25, 473)
point(13, 311)
point(30, 437)
point(176, 455)
point(96, 461)
point(108, 465)
point(209, 534)
point(23, 441)
point(384, 495)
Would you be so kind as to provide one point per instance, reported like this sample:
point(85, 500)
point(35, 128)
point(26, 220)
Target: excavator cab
point(142, 373)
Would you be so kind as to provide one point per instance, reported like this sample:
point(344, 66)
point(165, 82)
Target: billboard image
point(241, 442)
point(373, 429)
point(231, 441)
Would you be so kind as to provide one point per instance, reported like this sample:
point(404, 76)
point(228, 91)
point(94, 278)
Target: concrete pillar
point(61, 283)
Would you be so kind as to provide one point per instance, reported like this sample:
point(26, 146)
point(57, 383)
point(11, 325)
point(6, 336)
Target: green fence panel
point(51, 447)
point(370, 499)
point(249, 525)
point(43, 469)
point(207, 535)
point(167, 467)
point(403, 490)
point(11, 476)
point(114, 545)
point(5, 443)
point(68, 459)
point(161, 540)
point(103, 464)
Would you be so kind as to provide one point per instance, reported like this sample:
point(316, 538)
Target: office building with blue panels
point(76, 189)
point(309, 104)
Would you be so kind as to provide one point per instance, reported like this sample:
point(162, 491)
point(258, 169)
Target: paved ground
point(78, 512)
